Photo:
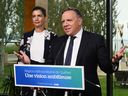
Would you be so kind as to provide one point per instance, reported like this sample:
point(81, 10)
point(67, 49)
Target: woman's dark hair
point(72, 9)
point(41, 9)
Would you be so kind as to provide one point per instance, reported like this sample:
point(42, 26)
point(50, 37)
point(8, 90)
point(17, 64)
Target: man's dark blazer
point(92, 52)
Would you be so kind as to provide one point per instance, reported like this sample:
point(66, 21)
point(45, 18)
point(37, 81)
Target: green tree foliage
point(11, 19)
point(11, 27)
point(93, 11)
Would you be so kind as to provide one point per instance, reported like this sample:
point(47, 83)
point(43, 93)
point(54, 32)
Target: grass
point(7, 70)
point(117, 90)
point(103, 85)
point(10, 48)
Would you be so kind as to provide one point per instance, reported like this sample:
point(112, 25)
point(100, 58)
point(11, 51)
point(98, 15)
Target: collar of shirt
point(79, 34)
point(76, 45)
point(39, 33)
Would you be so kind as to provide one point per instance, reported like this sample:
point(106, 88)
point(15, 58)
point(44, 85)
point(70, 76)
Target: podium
point(49, 76)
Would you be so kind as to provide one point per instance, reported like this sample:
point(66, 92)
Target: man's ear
point(80, 21)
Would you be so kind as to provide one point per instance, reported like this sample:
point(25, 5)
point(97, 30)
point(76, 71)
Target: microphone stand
point(35, 91)
point(58, 53)
point(96, 85)
point(80, 94)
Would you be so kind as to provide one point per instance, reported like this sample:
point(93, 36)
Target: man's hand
point(118, 55)
point(23, 57)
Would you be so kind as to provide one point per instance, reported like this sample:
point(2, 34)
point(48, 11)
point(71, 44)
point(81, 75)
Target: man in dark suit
point(89, 50)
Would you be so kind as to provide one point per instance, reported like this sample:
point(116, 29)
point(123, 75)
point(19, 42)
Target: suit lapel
point(26, 36)
point(46, 48)
point(82, 49)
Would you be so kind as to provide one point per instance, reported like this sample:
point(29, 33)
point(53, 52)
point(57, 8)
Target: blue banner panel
point(49, 76)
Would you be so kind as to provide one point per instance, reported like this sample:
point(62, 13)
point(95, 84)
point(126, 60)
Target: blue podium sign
point(49, 76)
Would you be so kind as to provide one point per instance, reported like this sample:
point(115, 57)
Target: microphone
point(58, 53)
point(96, 85)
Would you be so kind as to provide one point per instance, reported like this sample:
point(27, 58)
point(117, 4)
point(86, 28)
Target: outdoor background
point(15, 18)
